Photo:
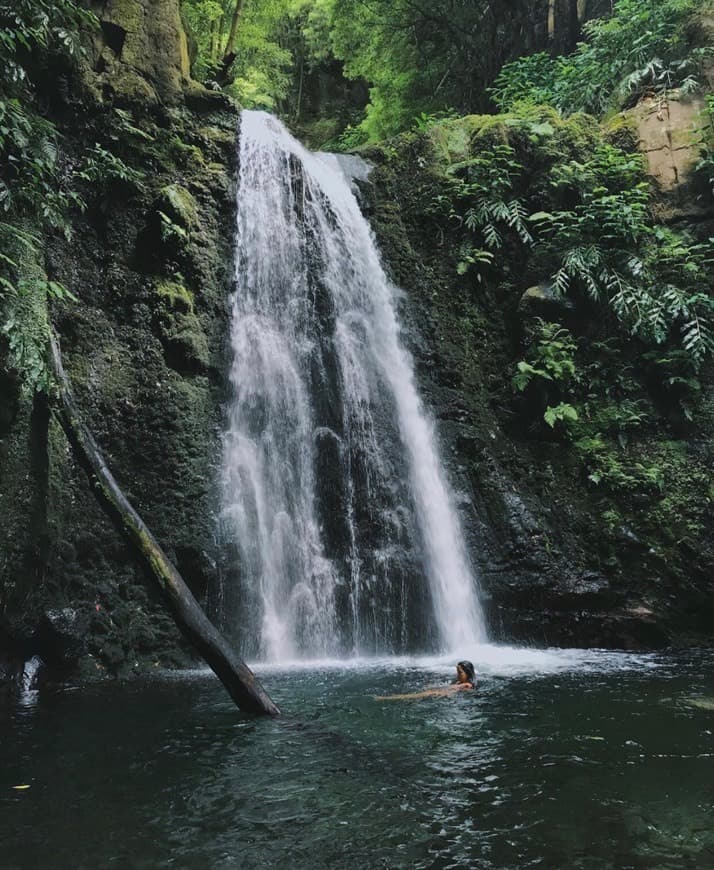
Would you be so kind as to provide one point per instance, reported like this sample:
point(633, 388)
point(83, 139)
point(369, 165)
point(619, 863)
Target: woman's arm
point(427, 693)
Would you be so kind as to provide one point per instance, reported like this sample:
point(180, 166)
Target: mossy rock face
point(618, 552)
point(185, 342)
point(456, 139)
point(187, 156)
point(172, 236)
point(128, 15)
point(178, 205)
point(204, 101)
point(129, 88)
point(621, 131)
point(142, 351)
point(216, 137)
point(542, 300)
point(176, 296)
point(140, 53)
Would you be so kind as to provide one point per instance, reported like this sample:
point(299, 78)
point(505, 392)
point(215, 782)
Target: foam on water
point(489, 660)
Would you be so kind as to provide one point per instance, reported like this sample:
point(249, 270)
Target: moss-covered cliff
point(595, 530)
point(150, 261)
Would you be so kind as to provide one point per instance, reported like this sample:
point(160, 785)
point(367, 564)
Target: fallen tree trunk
point(238, 679)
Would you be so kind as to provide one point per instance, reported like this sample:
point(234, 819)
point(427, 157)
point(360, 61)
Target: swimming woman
point(465, 679)
point(465, 676)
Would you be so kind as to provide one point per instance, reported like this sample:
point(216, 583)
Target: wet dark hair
point(468, 669)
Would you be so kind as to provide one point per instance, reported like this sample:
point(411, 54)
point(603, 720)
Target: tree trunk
point(298, 107)
point(238, 679)
point(215, 41)
point(229, 55)
point(551, 19)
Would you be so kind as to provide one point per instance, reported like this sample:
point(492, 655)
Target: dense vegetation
point(607, 419)
point(34, 197)
point(581, 219)
point(41, 190)
point(599, 239)
point(421, 59)
point(643, 47)
point(555, 201)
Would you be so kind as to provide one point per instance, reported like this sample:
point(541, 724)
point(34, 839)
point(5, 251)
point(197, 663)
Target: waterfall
point(346, 537)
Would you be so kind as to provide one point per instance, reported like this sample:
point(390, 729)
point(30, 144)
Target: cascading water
point(346, 537)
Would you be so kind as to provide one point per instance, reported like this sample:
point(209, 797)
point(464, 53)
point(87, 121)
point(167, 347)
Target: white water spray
point(326, 427)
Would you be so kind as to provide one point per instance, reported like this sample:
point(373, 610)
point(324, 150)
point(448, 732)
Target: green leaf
point(539, 216)
point(562, 413)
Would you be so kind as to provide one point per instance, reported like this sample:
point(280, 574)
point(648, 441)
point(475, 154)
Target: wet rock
point(584, 628)
point(154, 302)
point(331, 499)
point(202, 99)
point(113, 656)
point(185, 342)
point(559, 561)
point(10, 674)
point(215, 140)
point(543, 300)
point(170, 224)
point(34, 672)
point(178, 205)
point(197, 568)
point(60, 638)
point(701, 703)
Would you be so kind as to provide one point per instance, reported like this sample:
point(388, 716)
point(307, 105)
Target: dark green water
point(565, 760)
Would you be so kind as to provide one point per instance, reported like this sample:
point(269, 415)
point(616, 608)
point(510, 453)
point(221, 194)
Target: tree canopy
point(422, 59)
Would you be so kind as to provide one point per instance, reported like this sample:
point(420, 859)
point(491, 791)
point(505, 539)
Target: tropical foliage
point(28, 143)
point(584, 224)
point(252, 60)
point(423, 59)
point(643, 46)
point(32, 195)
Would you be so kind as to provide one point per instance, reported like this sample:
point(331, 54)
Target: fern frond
point(492, 236)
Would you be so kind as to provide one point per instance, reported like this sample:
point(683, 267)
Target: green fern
point(562, 413)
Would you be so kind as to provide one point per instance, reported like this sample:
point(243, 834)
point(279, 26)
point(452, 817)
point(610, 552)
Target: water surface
point(559, 760)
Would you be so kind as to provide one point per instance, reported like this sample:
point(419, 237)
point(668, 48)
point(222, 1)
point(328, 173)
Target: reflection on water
point(575, 759)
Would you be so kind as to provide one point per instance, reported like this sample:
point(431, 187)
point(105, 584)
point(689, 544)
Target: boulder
point(185, 342)
point(543, 300)
point(60, 638)
point(668, 137)
point(140, 53)
point(178, 205)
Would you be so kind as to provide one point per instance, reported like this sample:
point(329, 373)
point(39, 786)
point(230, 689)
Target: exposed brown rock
point(667, 131)
point(140, 53)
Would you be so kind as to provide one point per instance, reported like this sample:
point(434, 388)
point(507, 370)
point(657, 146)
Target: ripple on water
point(561, 759)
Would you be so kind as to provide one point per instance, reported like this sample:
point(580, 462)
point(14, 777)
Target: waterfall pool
point(561, 759)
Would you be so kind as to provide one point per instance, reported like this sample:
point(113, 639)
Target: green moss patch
point(176, 295)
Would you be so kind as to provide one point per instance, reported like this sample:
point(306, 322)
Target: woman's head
point(465, 672)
